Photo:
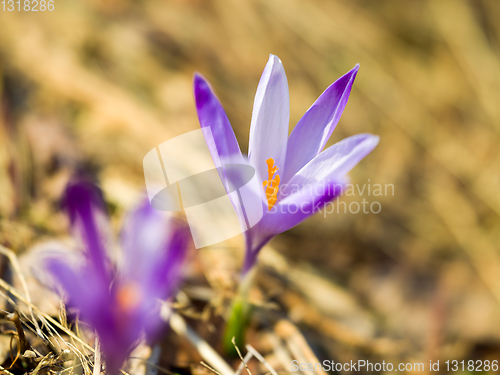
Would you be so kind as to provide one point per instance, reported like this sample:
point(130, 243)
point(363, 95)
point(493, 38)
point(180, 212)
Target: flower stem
point(239, 316)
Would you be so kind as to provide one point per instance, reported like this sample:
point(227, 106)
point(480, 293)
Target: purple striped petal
point(168, 270)
point(270, 119)
point(222, 142)
point(316, 126)
point(82, 200)
point(155, 245)
point(297, 207)
point(83, 289)
point(211, 114)
point(144, 234)
point(333, 163)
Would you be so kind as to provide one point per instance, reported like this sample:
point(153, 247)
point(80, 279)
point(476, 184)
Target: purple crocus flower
point(120, 302)
point(298, 178)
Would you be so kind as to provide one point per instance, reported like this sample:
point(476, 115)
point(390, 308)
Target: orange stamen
point(271, 186)
point(128, 297)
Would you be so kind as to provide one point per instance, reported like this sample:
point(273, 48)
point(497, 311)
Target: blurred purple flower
point(309, 177)
point(120, 302)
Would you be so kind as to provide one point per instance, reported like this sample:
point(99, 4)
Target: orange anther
point(271, 186)
point(128, 297)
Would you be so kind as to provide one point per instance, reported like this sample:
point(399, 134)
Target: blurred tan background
point(94, 85)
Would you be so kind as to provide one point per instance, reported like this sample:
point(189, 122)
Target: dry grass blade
point(243, 363)
point(233, 340)
point(15, 265)
point(257, 355)
point(52, 321)
point(297, 343)
point(19, 296)
point(40, 364)
point(206, 351)
point(24, 345)
point(5, 371)
point(97, 357)
point(210, 368)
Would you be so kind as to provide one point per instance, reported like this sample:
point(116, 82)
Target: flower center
point(271, 186)
point(128, 297)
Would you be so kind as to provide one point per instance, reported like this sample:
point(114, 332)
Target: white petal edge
point(270, 119)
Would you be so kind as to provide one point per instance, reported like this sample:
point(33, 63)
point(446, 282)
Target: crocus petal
point(318, 182)
point(168, 270)
point(144, 235)
point(86, 292)
point(164, 276)
point(247, 192)
point(211, 114)
point(316, 126)
point(155, 245)
point(120, 307)
point(82, 200)
point(288, 213)
point(336, 161)
point(40, 256)
point(166, 273)
point(297, 207)
point(97, 307)
point(270, 119)
point(222, 142)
